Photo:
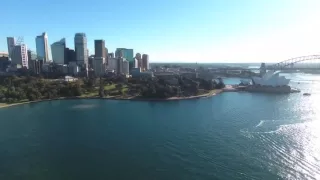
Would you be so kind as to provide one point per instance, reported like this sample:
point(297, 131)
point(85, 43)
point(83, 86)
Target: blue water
point(229, 136)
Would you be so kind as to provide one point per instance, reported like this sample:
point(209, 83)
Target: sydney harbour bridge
point(311, 62)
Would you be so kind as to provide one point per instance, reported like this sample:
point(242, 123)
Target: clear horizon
point(251, 31)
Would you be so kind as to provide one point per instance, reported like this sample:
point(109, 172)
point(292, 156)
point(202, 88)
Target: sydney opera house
point(271, 78)
point(271, 81)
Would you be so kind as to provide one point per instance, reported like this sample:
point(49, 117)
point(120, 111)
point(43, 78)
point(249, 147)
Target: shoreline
point(132, 98)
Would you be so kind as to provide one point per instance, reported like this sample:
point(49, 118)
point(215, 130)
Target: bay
point(234, 135)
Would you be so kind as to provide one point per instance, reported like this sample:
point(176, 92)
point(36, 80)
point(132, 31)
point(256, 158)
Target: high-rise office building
point(138, 56)
point(145, 62)
point(59, 51)
point(106, 56)
point(111, 55)
point(35, 65)
point(125, 68)
point(20, 55)
point(90, 61)
point(80, 45)
point(99, 49)
point(138, 61)
point(120, 65)
point(70, 56)
point(42, 47)
point(99, 66)
point(125, 53)
point(11, 43)
point(113, 64)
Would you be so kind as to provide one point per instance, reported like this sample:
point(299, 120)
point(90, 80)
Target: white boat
point(271, 78)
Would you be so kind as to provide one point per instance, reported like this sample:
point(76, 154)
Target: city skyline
point(231, 31)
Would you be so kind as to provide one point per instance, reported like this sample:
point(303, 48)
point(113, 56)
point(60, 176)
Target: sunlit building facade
point(42, 47)
point(145, 62)
point(59, 51)
point(11, 43)
point(80, 44)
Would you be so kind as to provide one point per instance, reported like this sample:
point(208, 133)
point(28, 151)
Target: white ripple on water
point(83, 106)
point(285, 150)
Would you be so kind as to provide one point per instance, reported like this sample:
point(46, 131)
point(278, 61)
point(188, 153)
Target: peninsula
point(25, 89)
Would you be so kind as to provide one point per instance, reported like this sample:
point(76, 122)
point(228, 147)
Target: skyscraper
point(59, 51)
point(11, 43)
point(120, 65)
point(138, 61)
point(145, 62)
point(70, 56)
point(99, 57)
point(42, 47)
point(138, 56)
point(106, 56)
point(125, 53)
point(99, 49)
point(20, 55)
point(80, 45)
point(125, 68)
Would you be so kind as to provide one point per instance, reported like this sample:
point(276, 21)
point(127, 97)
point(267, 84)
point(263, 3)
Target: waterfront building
point(20, 56)
point(81, 50)
point(58, 50)
point(125, 68)
point(42, 47)
point(271, 78)
point(11, 43)
point(145, 62)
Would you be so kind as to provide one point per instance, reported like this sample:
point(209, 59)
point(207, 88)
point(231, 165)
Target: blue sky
point(174, 30)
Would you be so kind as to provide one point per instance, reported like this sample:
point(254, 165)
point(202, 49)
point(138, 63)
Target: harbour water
point(234, 135)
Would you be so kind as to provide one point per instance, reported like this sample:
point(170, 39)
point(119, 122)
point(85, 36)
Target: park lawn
point(125, 89)
point(109, 87)
point(89, 94)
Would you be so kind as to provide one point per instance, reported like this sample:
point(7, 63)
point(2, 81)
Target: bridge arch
point(292, 61)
